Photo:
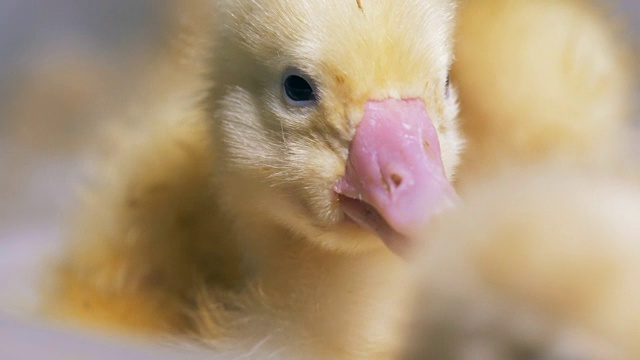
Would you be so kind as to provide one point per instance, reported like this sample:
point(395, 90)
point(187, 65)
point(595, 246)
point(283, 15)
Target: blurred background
point(67, 67)
point(63, 64)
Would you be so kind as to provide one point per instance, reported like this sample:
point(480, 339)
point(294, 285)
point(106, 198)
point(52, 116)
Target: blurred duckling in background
point(540, 263)
point(540, 81)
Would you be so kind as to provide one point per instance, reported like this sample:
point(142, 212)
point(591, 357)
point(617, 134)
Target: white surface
point(24, 341)
point(22, 258)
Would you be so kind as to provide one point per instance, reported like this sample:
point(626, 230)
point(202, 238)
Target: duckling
point(540, 81)
point(263, 201)
point(540, 263)
point(270, 211)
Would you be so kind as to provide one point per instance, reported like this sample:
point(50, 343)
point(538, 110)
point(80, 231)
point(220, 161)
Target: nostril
point(396, 179)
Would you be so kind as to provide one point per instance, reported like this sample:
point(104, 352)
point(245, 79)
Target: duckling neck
point(342, 299)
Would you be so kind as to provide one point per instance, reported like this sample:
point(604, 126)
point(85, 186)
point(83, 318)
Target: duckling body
point(248, 218)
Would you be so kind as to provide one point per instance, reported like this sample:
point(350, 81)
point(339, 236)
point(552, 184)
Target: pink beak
point(395, 181)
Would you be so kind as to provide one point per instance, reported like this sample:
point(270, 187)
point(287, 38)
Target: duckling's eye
point(298, 90)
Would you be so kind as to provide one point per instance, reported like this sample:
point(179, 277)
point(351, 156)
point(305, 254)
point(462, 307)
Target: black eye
point(298, 91)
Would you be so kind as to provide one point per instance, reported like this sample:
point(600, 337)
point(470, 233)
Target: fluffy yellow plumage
point(544, 267)
point(540, 81)
point(216, 217)
point(251, 242)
